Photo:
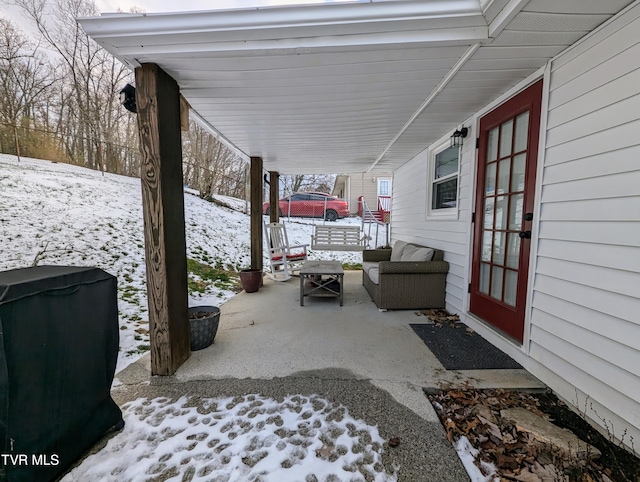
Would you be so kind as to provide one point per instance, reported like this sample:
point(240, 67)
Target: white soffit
point(343, 87)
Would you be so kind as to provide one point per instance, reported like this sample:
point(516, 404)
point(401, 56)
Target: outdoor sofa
point(407, 277)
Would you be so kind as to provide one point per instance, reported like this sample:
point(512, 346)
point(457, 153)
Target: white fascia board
point(434, 38)
point(260, 18)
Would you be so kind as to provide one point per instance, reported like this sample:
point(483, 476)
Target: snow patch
point(238, 439)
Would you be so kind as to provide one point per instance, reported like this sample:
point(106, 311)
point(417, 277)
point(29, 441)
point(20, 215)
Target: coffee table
point(321, 279)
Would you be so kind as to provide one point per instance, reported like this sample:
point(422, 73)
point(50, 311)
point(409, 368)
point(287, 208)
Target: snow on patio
point(249, 438)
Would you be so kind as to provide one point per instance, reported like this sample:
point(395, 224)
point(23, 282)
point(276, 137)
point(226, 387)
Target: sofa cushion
point(415, 253)
point(374, 274)
point(372, 270)
point(367, 265)
point(398, 248)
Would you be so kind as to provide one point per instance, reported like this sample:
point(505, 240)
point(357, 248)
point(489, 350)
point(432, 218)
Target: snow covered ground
point(248, 438)
point(54, 213)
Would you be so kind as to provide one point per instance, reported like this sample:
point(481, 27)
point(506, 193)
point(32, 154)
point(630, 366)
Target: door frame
point(489, 331)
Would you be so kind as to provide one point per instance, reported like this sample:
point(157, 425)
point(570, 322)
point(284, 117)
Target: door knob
point(525, 235)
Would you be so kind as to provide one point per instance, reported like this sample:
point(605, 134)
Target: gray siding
point(585, 319)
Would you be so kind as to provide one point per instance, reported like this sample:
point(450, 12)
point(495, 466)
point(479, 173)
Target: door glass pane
point(503, 175)
point(486, 245)
point(501, 212)
point(499, 242)
point(517, 176)
point(496, 283)
point(513, 250)
point(489, 205)
point(522, 131)
point(515, 213)
point(484, 278)
point(506, 136)
point(510, 287)
point(490, 179)
point(492, 145)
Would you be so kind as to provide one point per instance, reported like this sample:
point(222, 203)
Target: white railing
point(370, 220)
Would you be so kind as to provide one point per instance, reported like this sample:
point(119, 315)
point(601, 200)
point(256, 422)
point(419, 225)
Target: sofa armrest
point(376, 255)
point(426, 267)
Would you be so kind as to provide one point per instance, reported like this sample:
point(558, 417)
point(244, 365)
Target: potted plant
point(203, 325)
point(251, 279)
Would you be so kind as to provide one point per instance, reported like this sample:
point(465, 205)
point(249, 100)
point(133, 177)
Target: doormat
point(458, 349)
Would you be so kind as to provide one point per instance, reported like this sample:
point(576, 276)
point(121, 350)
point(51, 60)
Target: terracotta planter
point(251, 280)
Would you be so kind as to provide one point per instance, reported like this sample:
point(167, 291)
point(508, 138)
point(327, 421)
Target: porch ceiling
point(347, 87)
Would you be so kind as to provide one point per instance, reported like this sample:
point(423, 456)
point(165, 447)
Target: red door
point(507, 157)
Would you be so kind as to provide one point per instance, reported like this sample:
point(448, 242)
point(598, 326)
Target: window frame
point(441, 213)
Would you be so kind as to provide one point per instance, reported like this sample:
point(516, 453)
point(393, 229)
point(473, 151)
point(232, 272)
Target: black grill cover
point(58, 351)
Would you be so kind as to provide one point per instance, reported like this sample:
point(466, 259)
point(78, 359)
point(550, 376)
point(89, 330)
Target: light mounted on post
point(458, 136)
point(128, 98)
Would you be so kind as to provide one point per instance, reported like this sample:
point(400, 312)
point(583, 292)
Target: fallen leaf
point(450, 426)
point(325, 451)
point(526, 476)
point(506, 462)
point(457, 394)
point(471, 425)
point(394, 441)
point(492, 427)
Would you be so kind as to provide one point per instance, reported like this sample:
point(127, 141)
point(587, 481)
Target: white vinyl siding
point(409, 208)
point(585, 319)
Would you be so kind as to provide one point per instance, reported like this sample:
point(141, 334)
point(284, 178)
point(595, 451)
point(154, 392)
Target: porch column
point(256, 198)
point(274, 196)
point(158, 104)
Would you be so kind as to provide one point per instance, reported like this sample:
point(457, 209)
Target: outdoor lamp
point(128, 98)
point(457, 136)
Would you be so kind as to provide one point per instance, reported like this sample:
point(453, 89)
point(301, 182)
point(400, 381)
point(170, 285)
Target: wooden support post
point(274, 196)
point(158, 102)
point(256, 212)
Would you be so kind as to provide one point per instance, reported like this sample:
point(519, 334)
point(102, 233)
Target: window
point(443, 181)
point(384, 187)
point(300, 197)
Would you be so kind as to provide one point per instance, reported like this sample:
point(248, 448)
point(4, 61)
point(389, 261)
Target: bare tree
point(26, 83)
point(307, 182)
point(209, 166)
point(92, 77)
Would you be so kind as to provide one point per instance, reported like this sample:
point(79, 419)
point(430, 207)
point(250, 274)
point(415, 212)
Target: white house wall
point(585, 318)
point(584, 314)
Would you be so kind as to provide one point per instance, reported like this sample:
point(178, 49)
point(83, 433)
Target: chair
point(283, 259)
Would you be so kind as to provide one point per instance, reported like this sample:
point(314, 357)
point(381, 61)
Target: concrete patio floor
point(369, 360)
